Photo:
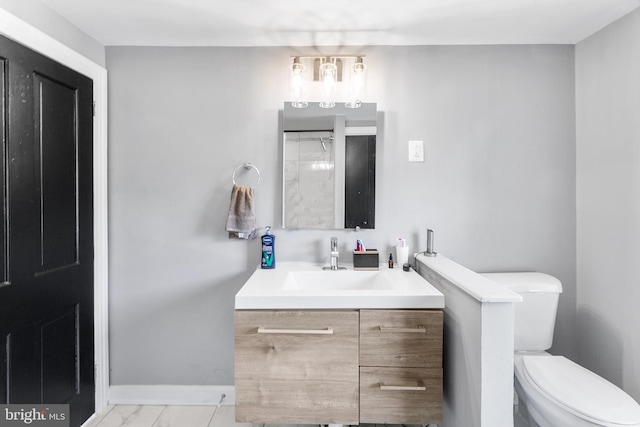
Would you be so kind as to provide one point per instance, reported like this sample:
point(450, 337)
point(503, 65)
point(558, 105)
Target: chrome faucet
point(334, 253)
point(334, 256)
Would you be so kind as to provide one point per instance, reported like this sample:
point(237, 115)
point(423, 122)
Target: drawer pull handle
point(402, 387)
point(418, 330)
point(327, 331)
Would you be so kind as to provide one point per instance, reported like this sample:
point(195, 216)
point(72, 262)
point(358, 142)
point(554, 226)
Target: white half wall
point(478, 344)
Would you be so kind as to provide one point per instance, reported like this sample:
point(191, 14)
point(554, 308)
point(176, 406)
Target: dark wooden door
point(46, 265)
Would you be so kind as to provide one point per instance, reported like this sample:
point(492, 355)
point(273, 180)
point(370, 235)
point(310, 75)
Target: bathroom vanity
point(338, 347)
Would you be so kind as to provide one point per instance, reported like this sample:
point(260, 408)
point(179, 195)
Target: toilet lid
point(580, 391)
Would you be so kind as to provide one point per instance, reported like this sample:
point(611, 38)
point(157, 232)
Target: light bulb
point(297, 84)
point(357, 84)
point(328, 77)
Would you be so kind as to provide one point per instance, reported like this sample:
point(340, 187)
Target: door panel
point(46, 303)
point(22, 345)
point(60, 374)
point(56, 173)
point(54, 342)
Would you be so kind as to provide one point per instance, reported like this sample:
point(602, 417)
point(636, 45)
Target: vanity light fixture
point(326, 82)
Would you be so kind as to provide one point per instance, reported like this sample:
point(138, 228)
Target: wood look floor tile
point(131, 416)
point(95, 421)
point(183, 416)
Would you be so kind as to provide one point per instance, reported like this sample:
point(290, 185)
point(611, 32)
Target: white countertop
point(271, 289)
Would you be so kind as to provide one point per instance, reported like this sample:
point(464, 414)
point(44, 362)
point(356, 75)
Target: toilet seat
point(580, 391)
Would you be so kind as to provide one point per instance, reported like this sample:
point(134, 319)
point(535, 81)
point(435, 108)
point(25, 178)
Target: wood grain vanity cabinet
point(296, 367)
point(401, 366)
point(338, 367)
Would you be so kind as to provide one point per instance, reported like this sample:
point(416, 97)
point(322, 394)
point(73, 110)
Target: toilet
point(552, 390)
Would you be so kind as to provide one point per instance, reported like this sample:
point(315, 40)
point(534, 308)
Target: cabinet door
point(297, 367)
point(401, 338)
point(400, 395)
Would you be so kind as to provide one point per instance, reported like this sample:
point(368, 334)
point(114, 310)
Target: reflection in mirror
point(329, 167)
point(309, 179)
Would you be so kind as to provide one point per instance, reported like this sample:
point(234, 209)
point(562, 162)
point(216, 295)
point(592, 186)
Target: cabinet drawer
point(296, 367)
point(400, 395)
point(401, 338)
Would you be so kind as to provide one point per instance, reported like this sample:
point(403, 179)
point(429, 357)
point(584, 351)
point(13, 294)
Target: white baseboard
point(171, 395)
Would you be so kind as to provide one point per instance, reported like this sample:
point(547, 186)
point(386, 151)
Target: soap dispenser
point(402, 252)
point(268, 249)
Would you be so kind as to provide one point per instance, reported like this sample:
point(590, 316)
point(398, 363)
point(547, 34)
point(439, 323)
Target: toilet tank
point(535, 316)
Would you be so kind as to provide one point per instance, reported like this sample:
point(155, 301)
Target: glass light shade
point(297, 85)
point(357, 84)
point(328, 78)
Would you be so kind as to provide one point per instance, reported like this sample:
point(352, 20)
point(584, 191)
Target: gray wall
point(497, 186)
point(52, 23)
point(608, 200)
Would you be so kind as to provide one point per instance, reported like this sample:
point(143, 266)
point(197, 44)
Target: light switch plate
point(416, 151)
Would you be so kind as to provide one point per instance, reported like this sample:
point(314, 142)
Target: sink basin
point(303, 286)
point(342, 280)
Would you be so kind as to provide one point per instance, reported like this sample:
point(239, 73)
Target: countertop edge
point(470, 282)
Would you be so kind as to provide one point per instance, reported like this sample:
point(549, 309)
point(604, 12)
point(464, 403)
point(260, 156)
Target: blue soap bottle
point(268, 250)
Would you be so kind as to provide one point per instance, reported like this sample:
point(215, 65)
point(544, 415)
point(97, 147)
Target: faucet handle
point(429, 251)
point(334, 243)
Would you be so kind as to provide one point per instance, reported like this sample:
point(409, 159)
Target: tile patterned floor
point(175, 416)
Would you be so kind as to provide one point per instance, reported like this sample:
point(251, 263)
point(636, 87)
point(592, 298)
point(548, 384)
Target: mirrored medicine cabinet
point(329, 166)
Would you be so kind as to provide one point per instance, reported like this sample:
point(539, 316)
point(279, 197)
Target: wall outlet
point(416, 151)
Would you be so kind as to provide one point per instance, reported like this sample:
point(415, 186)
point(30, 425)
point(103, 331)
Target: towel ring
point(246, 166)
